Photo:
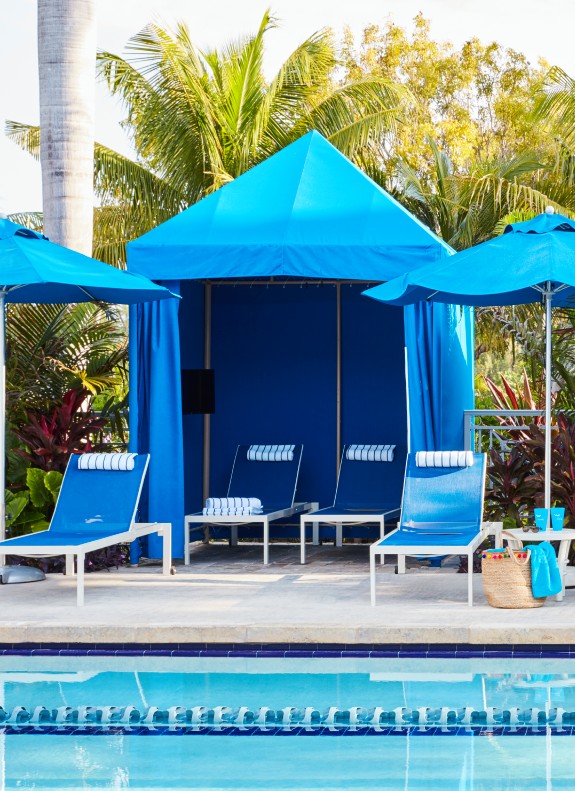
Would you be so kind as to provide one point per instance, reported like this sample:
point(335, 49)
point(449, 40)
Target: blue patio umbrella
point(35, 270)
point(532, 261)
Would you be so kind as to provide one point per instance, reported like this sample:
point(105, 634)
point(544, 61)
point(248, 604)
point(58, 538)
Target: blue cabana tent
point(270, 269)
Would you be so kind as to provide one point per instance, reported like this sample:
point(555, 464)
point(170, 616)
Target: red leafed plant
point(512, 484)
point(51, 440)
point(508, 399)
point(562, 463)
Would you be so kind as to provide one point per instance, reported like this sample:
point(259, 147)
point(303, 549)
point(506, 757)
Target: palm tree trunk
point(66, 62)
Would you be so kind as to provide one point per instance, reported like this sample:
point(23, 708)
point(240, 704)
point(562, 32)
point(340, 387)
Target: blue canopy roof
point(305, 212)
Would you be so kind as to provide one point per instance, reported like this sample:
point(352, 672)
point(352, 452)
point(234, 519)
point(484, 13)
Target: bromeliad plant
point(516, 481)
point(50, 441)
point(512, 485)
point(562, 463)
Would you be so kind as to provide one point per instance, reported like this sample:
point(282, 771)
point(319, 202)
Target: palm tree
point(56, 348)
point(199, 119)
point(465, 205)
point(66, 58)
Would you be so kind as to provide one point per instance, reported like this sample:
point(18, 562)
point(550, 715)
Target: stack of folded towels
point(232, 506)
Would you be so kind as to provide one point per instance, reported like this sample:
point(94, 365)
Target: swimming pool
point(142, 722)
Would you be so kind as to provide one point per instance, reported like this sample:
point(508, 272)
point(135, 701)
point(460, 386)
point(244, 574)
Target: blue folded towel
point(545, 574)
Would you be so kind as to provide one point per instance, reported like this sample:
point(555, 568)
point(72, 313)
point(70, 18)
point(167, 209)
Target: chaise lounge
point(441, 511)
point(368, 491)
point(96, 508)
point(266, 472)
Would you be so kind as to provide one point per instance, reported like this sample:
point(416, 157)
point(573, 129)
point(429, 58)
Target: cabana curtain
point(156, 412)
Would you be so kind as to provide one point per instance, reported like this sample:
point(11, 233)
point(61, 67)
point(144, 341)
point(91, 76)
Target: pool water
point(197, 723)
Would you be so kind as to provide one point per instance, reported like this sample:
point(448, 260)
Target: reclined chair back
point(273, 482)
point(366, 484)
point(444, 494)
point(103, 499)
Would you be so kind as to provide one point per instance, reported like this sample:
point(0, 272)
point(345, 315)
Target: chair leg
point(562, 557)
point(80, 579)
point(372, 576)
point(315, 534)
point(338, 534)
point(401, 564)
point(69, 570)
point(186, 543)
point(470, 579)
point(166, 533)
point(302, 527)
point(233, 536)
point(266, 542)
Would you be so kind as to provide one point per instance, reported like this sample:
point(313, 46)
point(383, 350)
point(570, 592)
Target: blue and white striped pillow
point(121, 462)
point(444, 458)
point(270, 452)
point(370, 452)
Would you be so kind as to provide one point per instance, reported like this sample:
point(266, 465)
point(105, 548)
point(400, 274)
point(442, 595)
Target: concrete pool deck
point(226, 595)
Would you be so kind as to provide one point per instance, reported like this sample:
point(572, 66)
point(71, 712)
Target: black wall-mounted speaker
point(198, 391)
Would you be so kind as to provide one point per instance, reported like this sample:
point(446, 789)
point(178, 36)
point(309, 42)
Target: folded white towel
point(231, 511)
point(444, 458)
point(370, 452)
point(232, 506)
point(270, 452)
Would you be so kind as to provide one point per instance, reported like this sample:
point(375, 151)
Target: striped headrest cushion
point(106, 461)
point(444, 458)
point(370, 452)
point(270, 452)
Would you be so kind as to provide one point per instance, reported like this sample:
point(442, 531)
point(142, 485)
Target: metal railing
point(483, 429)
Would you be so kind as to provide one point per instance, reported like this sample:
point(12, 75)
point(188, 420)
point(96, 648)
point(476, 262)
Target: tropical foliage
point(199, 119)
point(468, 138)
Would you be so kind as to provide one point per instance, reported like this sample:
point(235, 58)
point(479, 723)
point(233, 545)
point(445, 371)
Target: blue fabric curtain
point(439, 341)
point(156, 414)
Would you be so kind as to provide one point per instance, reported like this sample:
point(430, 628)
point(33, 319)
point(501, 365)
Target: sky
point(537, 28)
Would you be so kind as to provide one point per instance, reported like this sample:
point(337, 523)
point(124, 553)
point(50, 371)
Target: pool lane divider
point(224, 720)
point(295, 650)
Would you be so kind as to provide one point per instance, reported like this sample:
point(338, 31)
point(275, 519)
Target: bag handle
point(513, 538)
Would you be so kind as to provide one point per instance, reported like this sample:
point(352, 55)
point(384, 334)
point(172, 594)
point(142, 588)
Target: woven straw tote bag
point(507, 581)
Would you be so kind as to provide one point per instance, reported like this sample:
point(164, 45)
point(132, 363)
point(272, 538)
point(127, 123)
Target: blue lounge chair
point(273, 482)
point(96, 508)
point(368, 491)
point(441, 511)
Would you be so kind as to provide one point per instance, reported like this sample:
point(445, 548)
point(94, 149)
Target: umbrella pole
point(548, 300)
point(2, 417)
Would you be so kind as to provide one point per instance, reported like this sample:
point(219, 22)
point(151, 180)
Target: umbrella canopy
point(511, 269)
point(531, 261)
point(33, 269)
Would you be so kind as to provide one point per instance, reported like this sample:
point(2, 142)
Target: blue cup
point(557, 518)
point(541, 518)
